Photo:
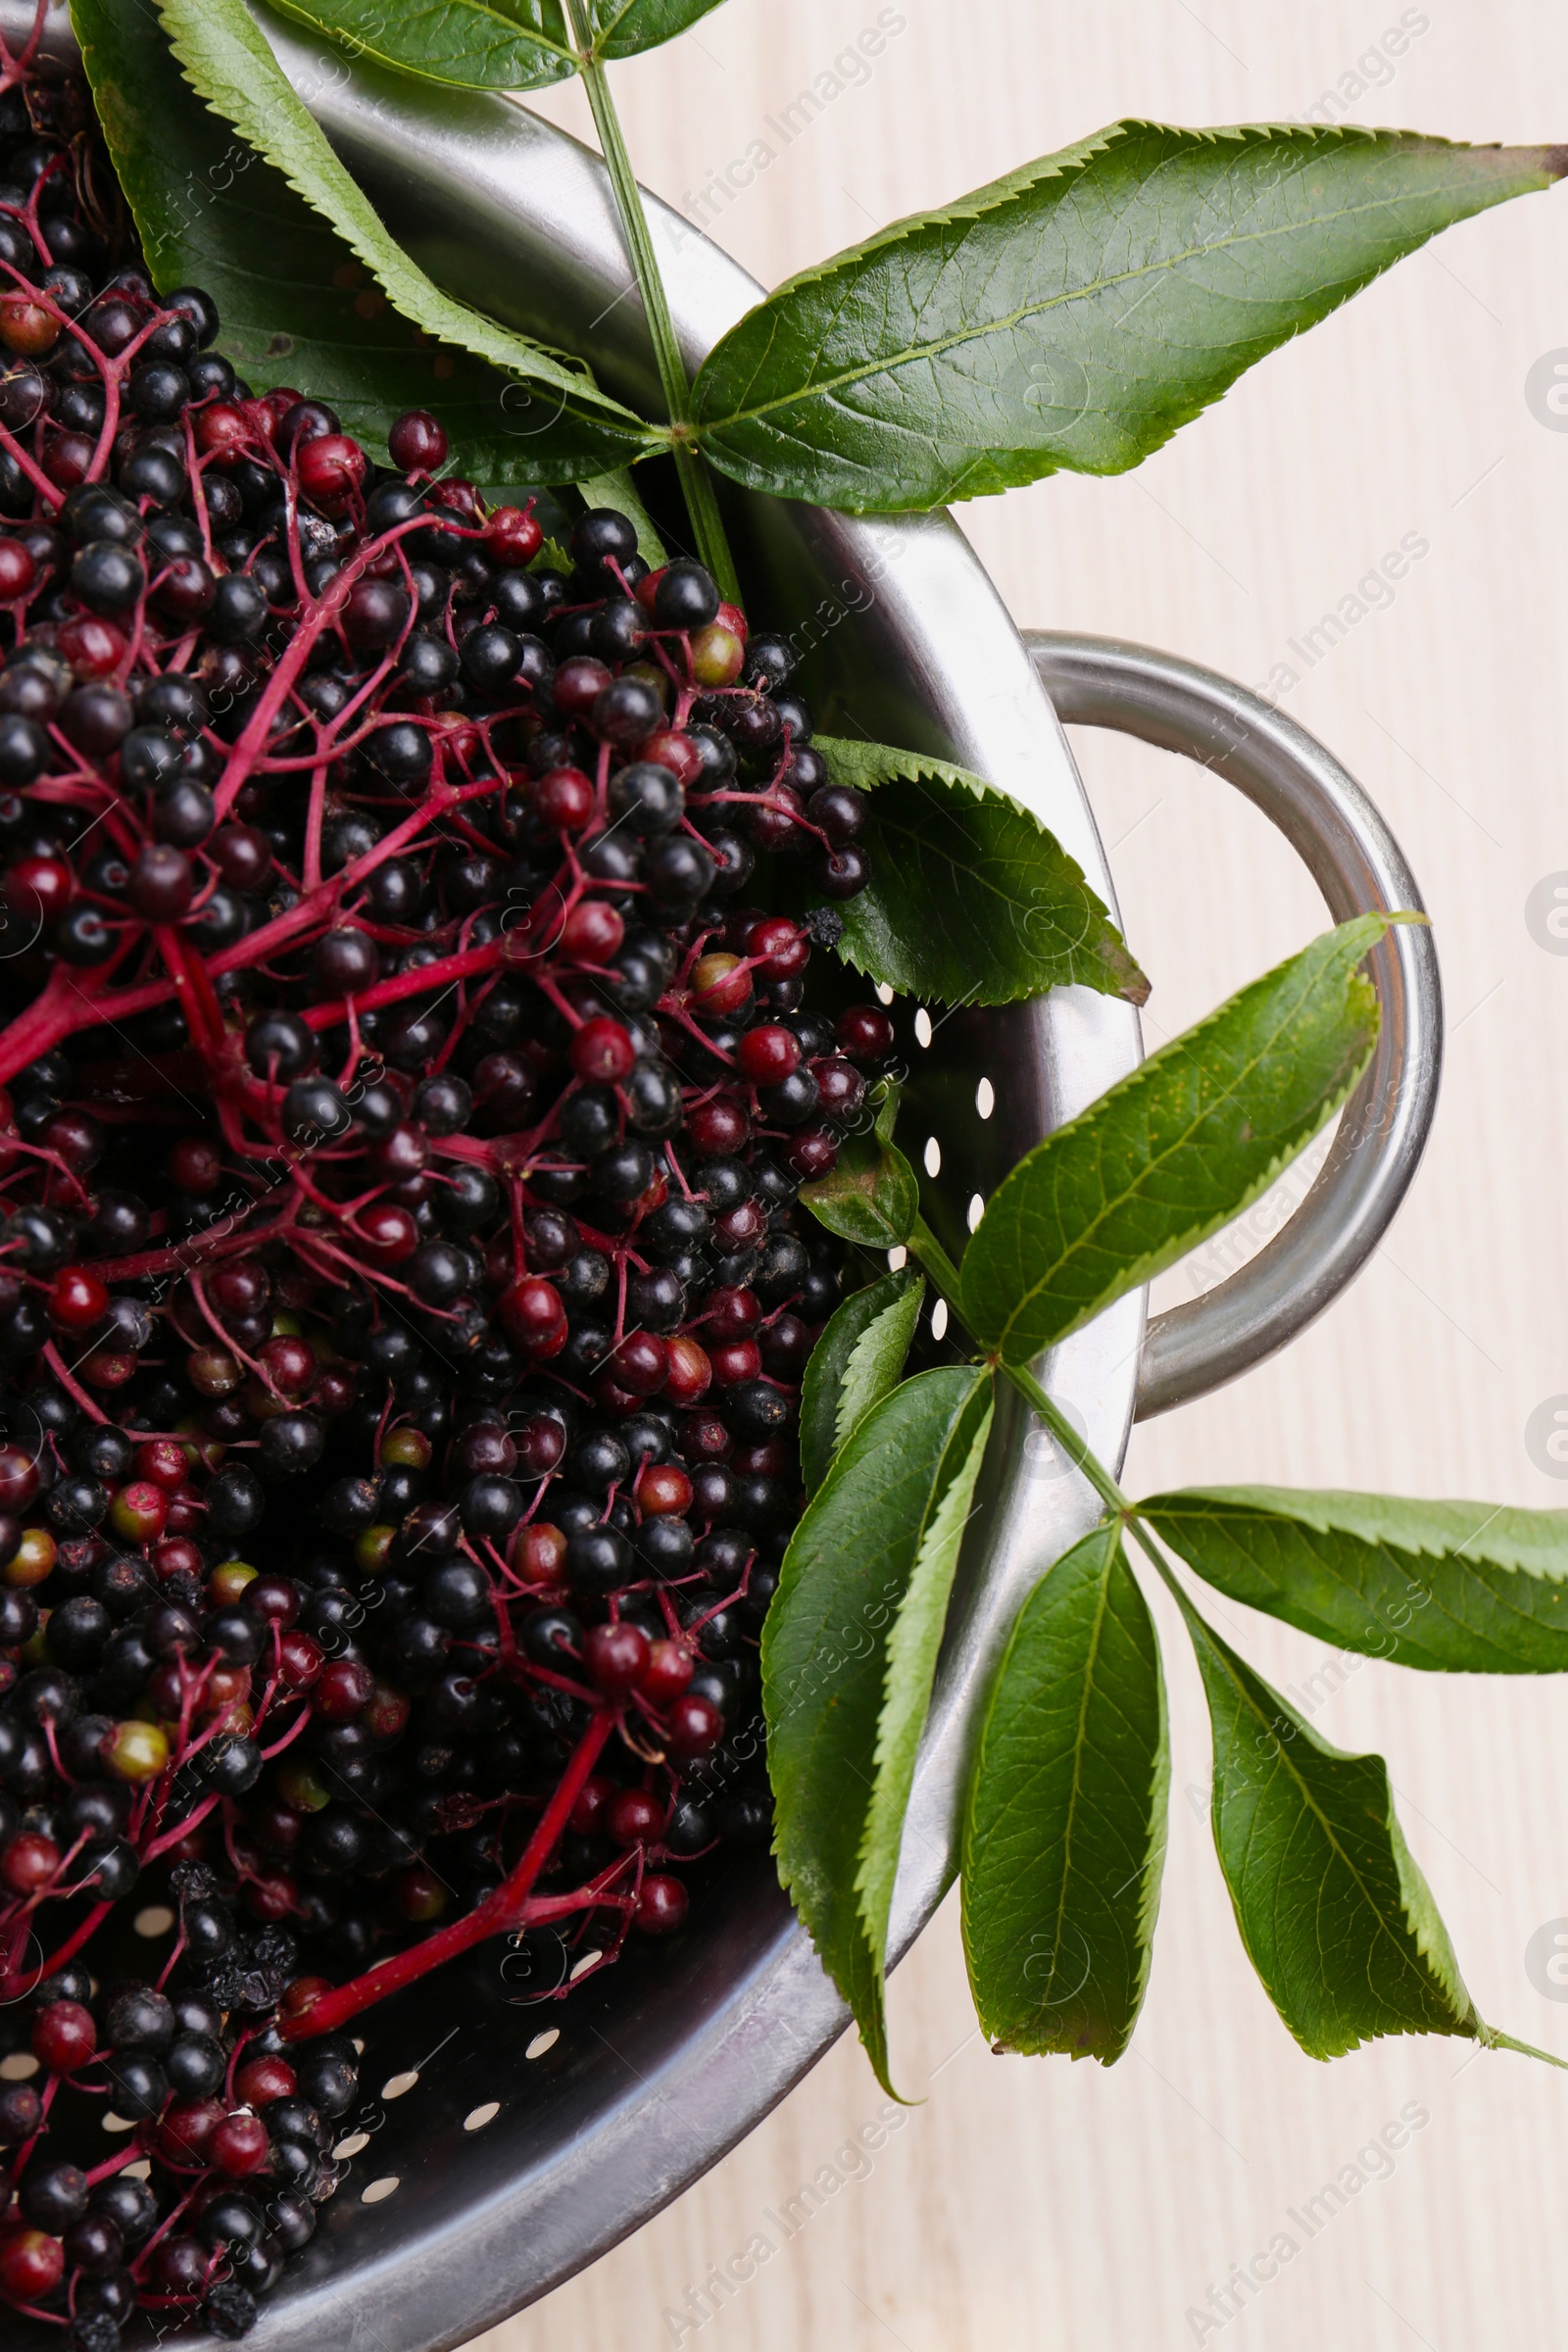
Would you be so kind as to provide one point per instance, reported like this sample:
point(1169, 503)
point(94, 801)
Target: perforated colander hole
point(922, 1027)
point(977, 1210)
point(118, 2122)
point(19, 2067)
point(933, 1156)
point(396, 2085)
point(477, 2116)
point(939, 1319)
point(351, 2146)
point(140, 2169)
point(541, 2042)
point(985, 1097)
point(884, 993)
point(896, 1257)
point(377, 2189)
point(156, 1920)
point(581, 1967)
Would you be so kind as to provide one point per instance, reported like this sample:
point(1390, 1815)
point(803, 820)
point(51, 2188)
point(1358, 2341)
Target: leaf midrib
point(830, 387)
point(1079, 1751)
point(508, 26)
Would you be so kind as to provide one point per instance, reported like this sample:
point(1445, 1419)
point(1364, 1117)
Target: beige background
point(1029, 2203)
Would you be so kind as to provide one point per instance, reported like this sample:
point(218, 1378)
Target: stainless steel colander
point(505, 2138)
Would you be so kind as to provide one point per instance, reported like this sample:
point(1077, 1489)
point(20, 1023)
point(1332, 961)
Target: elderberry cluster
point(408, 1080)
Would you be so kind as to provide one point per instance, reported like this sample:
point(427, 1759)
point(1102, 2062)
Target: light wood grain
point(1032, 2204)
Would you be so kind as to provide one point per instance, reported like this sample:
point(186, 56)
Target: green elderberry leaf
point(492, 44)
point(971, 899)
point(1077, 312)
point(473, 44)
point(1457, 1587)
point(858, 1359)
point(626, 27)
point(1172, 1152)
point(1064, 1832)
point(839, 1695)
point(310, 286)
point(1336, 1917)
point(872, 1196)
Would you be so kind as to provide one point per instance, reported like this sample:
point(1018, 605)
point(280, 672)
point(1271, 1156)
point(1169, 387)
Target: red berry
point(640, 1364)
point(265, 2080)
point(419, 1894)
point(291, 1365)
point(417, 443)
point(578, 684)
point(634, 1817)
point(387, 1712)
point(704, 1437)
point(720, 983)
point(782, 946)
point(718, 1129)
point(663, 1490)
point(92, 646)
point(67, 459)
point(542, 1554)
point(591, 932)
point(661, 1904)
point(840, 1088)
point(593, 1800)
point(769, 1053)
point(195, 1164)
point(239, 2144)
point(31, 2265)
point(690, 1373)
point(741, 1227)
point(29, 1863)
point(735, 1361)
point(139, 1512)
point(534, 1316)
point(273, 1897)
point(37, 889)
point(864, 1033)
point(301, 1660)
point(669, 748)
point(273, 1597)
point(670, 1670)
point(343, 1691)
point(330, 469)
point(813, 1152)
point(563, 798)
point(511, 537)
point(162, 1462)
point(616, 1657)
point(18, 570)
point(602, 1051)
point(77, 1300)
point(64, 2036)
point(222, 431)
point(770, 1460)
point(19, 1479)
point(696, 1726)
point(390, 1232)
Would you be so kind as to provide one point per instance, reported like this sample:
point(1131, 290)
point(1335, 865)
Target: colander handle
point(1359, 868)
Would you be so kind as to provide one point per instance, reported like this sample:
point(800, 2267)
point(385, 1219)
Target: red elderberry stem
point(74, 1390)
point(19, 1983)
point(501, 1912)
